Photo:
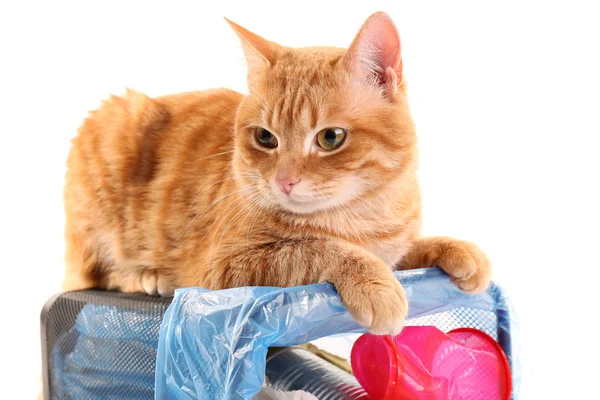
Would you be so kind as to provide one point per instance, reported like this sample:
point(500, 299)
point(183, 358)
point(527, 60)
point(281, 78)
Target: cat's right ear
point(260, 53)
point(374, 56)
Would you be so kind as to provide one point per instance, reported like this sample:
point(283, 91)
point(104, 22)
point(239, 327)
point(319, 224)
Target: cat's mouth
point(304, 204)
point(300, 207)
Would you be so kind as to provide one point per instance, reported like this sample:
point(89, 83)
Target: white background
point(506, 100)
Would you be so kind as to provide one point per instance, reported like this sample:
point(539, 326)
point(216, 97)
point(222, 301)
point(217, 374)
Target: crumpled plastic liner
point(213, 344)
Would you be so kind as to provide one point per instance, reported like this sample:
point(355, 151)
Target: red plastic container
point(424, 363)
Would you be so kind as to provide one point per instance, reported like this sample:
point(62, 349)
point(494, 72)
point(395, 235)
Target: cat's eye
point(265, 138)
point(331, 138)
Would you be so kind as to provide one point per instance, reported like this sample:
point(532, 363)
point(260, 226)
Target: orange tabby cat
point(309, 178)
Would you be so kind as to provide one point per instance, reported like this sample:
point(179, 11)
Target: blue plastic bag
point(213, 344)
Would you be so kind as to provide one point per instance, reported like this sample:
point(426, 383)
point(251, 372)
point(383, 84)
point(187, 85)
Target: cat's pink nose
point(286, 184)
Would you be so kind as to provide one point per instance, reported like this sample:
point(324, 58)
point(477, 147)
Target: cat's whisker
point(197, 195)
point(206, 208)
point(261, 208)
point(239, 107)
point(365, 224)
point(323, 98)
point(340, 217)
point(206, 188)
point(370, 230)
point(375, 190)
point(356, 231)
point(255, 209)
point(321, 187)
point(248, 215)
point(223, 211)
point(253, 197)
point(298, 79)
point(258, 96)
point(215, 155)
point(262, 101)
point(369, 205)
point(289, 94)
point(201, 184)
point(360, 235)
point(216, 252)
point(329, 104)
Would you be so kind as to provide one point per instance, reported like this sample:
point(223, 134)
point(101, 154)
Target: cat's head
point(323, 127)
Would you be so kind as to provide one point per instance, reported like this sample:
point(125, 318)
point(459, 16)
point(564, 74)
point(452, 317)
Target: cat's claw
point(154, 284)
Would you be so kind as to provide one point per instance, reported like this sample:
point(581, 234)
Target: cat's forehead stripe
point(293, 112)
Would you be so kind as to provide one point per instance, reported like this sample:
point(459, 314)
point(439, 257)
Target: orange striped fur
point(176, 191)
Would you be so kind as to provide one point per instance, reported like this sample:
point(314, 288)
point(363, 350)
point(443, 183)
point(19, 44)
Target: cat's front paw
point(154, 283)
point(468, 266)
point(379, 304)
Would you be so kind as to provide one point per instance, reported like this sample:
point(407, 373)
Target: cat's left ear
point(374, 55)
point(260, 53)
